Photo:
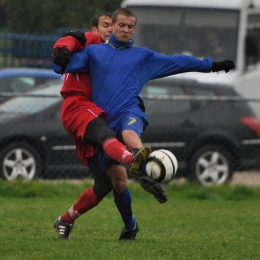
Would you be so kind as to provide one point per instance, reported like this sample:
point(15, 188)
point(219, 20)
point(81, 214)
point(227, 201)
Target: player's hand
point(62, 58)
point(141, 104)
point(77, 35)
point(225, 65)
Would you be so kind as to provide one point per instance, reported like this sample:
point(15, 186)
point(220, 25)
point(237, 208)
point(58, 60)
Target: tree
point(2, 13)
point(47, 16)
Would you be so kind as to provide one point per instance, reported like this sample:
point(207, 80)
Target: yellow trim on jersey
point(133, 120)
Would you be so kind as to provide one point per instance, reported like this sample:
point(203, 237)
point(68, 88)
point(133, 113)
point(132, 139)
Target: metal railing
point(26, 50)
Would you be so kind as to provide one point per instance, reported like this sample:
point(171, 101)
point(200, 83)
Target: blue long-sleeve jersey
point(118, 71)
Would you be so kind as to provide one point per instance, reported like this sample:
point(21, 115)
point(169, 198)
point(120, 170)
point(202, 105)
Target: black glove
point(141, 104)
point(225, 65)
point(77, 35)
point(62, 58)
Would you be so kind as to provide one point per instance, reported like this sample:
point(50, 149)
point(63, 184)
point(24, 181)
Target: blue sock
point(123, 203)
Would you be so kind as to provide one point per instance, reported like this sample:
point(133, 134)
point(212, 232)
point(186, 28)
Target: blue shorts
point(127, 121)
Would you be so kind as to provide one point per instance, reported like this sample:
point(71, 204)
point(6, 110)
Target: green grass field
point(196, 223)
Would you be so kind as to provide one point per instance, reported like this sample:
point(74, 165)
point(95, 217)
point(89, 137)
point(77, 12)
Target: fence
point(29, 50)
point(31, 128)
point(26, 50)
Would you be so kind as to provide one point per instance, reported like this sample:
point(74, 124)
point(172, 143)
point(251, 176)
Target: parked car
point(210, 139)
point(33, 142)
point(17, 80)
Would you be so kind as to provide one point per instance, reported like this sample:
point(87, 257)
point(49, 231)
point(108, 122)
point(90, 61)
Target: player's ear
point(94, 29)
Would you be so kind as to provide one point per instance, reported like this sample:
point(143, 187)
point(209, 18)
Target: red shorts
point(76, 113)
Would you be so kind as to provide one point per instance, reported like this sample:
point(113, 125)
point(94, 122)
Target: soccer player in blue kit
point(118, 72)
point(86, 124)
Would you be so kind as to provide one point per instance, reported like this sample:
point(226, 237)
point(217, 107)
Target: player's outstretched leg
point(153, 187)
point(139, 155)
point(63, 229)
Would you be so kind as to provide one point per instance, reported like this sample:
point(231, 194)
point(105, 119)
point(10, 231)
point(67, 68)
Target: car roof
point(5, 72)
point(221, 88)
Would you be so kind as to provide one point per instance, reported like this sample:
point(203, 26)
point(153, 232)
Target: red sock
point(87, 200)
point(117, 151)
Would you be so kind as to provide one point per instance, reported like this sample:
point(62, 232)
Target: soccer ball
point(161, 165)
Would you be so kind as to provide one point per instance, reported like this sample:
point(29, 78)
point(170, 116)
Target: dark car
point(33, 142)
point(210, 138)
point(16, 80)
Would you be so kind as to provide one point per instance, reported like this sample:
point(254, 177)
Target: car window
point(41, 80)
point(203, 92)
point(16, 84)
point(45, 97)
point(163, 106)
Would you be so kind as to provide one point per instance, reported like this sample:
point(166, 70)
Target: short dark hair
point(124, 11)
point(96, 18)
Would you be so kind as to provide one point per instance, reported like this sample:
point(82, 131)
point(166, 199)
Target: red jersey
point(77, 109)
point(76, 83)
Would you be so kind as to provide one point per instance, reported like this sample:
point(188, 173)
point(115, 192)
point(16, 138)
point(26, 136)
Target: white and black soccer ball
point(161, 165)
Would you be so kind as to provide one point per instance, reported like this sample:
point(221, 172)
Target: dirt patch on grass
point(250, 178)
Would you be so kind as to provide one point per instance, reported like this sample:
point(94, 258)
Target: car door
point(62, 150)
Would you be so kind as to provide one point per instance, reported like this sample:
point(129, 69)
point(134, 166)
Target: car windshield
point(198, 32)
point(34, 101)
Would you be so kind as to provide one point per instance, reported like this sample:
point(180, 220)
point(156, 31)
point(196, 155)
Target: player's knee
point(131, 139)
point(119, 186)
point(98, 131)
point(119, 189)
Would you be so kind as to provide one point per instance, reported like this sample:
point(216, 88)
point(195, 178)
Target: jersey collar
point(115, 44)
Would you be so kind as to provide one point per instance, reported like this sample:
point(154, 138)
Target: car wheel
point(19, 160)
point(211, 164)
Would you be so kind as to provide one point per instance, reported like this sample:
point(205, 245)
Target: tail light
point(253, 123)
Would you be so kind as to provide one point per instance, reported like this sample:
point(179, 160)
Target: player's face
point(124, 27)
point(104, 28)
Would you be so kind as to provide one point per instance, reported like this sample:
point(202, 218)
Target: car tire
point(20, 161)
point(211, 165)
